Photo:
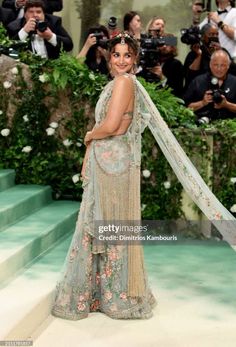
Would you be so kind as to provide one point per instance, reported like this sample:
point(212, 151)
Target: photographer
point(225, 19)
point(198, 59)
point(158, 60)
point(46, 34)
point(94, 50)
point(132, 23)
point(212, 95)
point(156, 27)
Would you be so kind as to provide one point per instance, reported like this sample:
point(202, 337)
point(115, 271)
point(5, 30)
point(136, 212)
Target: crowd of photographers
point(206, 80)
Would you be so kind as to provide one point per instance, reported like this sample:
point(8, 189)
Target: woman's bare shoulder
point(124, 81)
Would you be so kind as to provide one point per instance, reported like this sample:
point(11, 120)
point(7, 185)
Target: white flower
point(53, 125)
point(233, 208)
point(67, 142)
point(26, 118)
point(26, 149)
point(1, 112)
point(91, 76)
point(167, 184)
point(14, 70)
point(75, 178)
point(43, 78)
point(78, 144)
point(146, 173)
point(5, 132)
point(7, 84)
point(50, 131)
point(143, 207)
point(233, 179)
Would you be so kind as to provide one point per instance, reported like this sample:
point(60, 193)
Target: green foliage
point(45, 153)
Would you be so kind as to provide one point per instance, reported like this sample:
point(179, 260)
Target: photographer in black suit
point(6, 16)
point(17, 6)
point(47, 36)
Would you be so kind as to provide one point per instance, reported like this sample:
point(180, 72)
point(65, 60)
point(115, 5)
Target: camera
point(41, 25)
point(150, 53)
point(190, 36)
point(14, 50)
point(112, 23)
point(217, 96)
point(101, 42)
point(216, 91)
point(203, 120)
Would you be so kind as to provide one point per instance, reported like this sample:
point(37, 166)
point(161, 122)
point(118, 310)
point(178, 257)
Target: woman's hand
point(87, 138)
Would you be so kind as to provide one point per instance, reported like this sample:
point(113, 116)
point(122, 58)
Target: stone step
point(20, 201)
point(27, 239)
point(26, 301)
point(7, 179)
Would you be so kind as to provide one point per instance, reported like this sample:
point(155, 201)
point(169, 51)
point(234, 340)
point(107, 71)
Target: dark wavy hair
point(34, 3)
point(127, 38)
point(128, 18)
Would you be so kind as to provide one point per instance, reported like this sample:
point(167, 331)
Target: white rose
point(53, 125)
point(26, 149)
point(1, 112)
point(233, 179)
point(7, 84)
point(91, 76)
point(78, 144)
point(50, 131)
point(75, 178)
point(146, 173)
point(167, 184)
point(233, 208)
point(43, 78)
point(67, 142)
point(25, 117)
point(5, 132)
point(14, 70)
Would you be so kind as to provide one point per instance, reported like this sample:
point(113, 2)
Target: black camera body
point(101, 42)
point(216, 91)
point(217, 96)
point(41, 26)
point(150, 53)
point(112, 23)
point(190, 36)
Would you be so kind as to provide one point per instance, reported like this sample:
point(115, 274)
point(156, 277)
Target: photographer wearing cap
point(212, 95)
point(95, 49)
point(45, 31)
point(225, 19)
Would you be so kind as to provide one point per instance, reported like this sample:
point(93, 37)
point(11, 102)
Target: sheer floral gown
point(106, 277)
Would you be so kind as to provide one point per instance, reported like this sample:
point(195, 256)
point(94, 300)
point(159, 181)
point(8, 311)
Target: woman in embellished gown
point(110, 278)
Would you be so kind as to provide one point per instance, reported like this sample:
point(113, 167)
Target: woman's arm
point(122, 95)
point(91, 41)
